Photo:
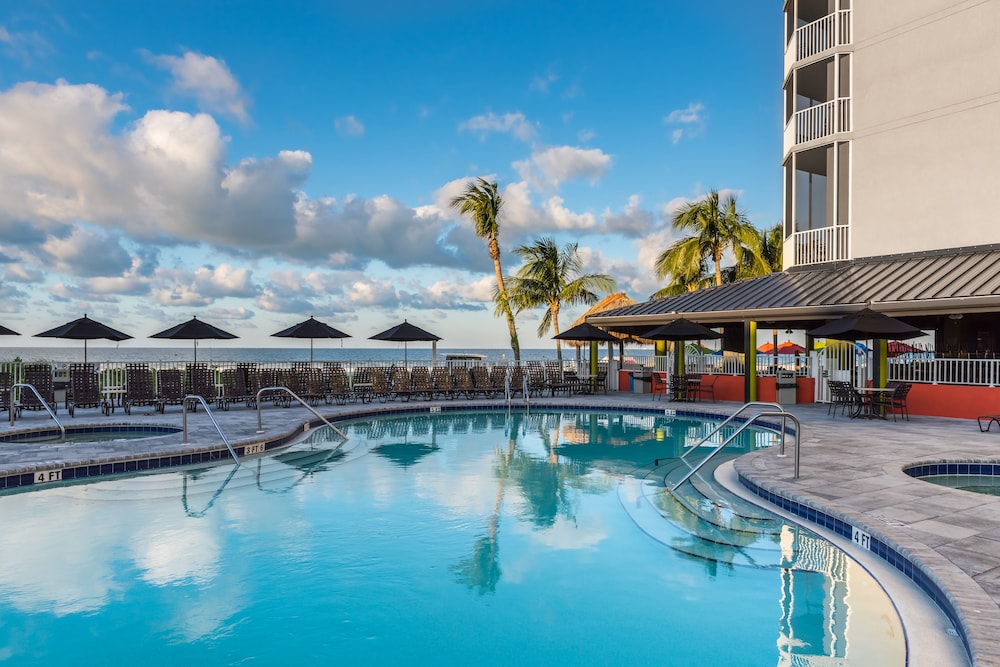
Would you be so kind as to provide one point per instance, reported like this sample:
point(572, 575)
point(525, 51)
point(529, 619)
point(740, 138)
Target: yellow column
point(750, 361)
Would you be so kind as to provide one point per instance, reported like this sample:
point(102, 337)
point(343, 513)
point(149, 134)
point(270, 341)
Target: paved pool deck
point(851, 470)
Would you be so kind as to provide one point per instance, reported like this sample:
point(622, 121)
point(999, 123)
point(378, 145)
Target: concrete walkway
point(850, 469)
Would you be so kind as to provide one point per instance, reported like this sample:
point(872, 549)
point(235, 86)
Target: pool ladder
point(779, 413)
point(13, 408)
point(260, 425)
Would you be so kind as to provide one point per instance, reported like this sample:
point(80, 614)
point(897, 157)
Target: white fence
point(828, 32)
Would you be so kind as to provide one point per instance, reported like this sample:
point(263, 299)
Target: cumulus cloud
point(509, 123)
point(349, 126)
point(690, 120)
point(86, 251)
point(208, 80)
point(548, 168)
point(633, 221)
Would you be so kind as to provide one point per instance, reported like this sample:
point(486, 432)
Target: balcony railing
point(829, 32)
point(826, 244)
point(823, 120)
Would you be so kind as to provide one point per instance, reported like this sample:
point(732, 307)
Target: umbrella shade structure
point(84, 329)
point(866, 324)
point(311, 329)
point(897, 348)
point(4, 331)
point(788, 347)
point(194, 329)
point(682, 329)
point(586, 332)
point(406, 333)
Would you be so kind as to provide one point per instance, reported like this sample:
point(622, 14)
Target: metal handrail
point(729, 419)
point(11, 406)
point(184, 423)
point(744, 426)
point(260, 423)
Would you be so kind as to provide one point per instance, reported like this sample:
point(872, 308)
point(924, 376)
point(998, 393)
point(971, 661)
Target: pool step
point(704, 520)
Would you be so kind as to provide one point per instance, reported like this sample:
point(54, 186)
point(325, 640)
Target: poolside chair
point(659, 385)
point(517, 380)
point(272, 376)
point(498, 379)
point(482, 383)
point(536, 379)
point(444, 382)
point(678, 388)
point(201, 382)
point(464, 384)
point(6, 381)
point(379, 384)
point(140, 388)
point(400, 384)
point(700, 386)
point(169, 387)
point(38, 376)
point(420, 377)
point(894, 402)
point(84, 390)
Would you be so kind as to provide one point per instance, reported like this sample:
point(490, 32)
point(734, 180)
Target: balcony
point(827, 33)
point(826, 244)
point(823, 120)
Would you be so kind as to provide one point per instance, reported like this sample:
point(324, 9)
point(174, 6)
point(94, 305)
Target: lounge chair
point(169, 387)
point(400, 383)
point(464, 384)
point(85, 390)
point(140, 388)
point(700, 386)
point(420, 376)
point(482, 383)
point(38, 376)
point(444, 382)
point(6, 381)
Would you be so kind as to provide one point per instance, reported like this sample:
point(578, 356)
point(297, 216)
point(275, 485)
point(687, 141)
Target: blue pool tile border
point(877, 546)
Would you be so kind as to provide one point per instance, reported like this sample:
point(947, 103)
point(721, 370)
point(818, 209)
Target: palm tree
point(551, 277)
point(483, 202)
point(716, 226)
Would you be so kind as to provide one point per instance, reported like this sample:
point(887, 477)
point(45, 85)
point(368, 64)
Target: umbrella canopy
point(311, 328)
point(405, 333)
point(194, 329)
point(4, 331)
point(584, 332)
point(897, 348)
point(866, 324)
point(84, 329)
point(681, 329)
point(788, 347)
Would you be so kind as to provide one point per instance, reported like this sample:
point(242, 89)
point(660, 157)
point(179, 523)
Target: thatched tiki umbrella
point(609, 302)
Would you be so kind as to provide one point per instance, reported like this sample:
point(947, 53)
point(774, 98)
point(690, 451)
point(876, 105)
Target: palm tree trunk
point(555, 326)
point(718, 267)
point(504, 302)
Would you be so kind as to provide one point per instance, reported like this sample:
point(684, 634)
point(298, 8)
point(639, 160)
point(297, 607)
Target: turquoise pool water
point(102, 433)
point(449, 539)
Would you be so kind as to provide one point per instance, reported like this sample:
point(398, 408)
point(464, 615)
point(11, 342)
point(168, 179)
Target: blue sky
point(255, 163)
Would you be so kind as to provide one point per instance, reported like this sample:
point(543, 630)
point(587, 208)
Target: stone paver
point(852, 470)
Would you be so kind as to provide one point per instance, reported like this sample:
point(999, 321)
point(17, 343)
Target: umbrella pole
point(310, 351)
point(195, 350)
point(84, 350)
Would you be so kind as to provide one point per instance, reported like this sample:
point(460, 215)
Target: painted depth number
point(861, 538)
point(250, 450)
point(45, 476)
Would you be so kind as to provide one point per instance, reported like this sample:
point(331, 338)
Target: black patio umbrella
point(585, 331)
point(405, 454)
point(4, 331)
point(680, 330)
point(405, 333)
point(864, 325)
point(194, 329)
point(311, 328)
point(84, 329)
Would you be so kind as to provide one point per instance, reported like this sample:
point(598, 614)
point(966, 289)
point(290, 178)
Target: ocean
point(208, 353)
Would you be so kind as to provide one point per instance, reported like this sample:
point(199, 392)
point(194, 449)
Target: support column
point(881, 361)
point(750, 361)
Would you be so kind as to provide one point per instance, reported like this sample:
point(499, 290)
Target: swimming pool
point(977, 477)
point(100, 433)
point(450, 538)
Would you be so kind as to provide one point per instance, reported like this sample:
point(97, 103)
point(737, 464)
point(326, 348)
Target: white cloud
point(209, 81)
point(349, 126)
point(548, 168)
point(691, 120)
point(633, 221)
point(542, 82)
point(509, 123)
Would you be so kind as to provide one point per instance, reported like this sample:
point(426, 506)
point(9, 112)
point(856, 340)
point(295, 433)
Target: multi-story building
point(891, 156)
point(892, 135)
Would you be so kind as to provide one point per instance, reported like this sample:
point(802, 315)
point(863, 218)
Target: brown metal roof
point(961, 280)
